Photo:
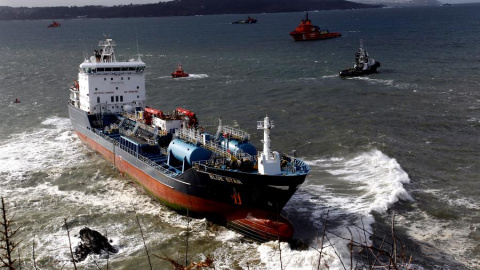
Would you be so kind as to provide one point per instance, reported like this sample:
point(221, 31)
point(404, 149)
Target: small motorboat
point(363, 64)
point(16, 100)
point(247, 21)
point(54, 24)
point(179, 72)
point(307, 31)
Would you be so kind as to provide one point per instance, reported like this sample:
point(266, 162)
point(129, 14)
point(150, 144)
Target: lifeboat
point(179, 72)
point(307, 31)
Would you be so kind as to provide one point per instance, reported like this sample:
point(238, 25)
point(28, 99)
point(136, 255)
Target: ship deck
point(157, 159)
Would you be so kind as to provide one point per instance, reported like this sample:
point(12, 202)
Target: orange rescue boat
point(307, 31)
point(179, 72)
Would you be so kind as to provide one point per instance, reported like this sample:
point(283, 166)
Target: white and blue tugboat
point(364, 64)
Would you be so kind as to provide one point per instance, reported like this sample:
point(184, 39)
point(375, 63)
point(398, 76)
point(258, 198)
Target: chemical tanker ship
point(220, 176)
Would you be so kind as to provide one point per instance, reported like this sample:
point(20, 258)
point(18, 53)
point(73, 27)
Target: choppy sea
point(402, 142)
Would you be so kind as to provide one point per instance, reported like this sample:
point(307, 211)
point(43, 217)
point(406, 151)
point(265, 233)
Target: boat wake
point(398, 85)
point(196, 76)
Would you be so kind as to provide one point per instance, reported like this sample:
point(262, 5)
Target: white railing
point(236, 133)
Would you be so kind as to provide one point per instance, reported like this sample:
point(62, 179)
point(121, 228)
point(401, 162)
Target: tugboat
point(54, 24)
point(307, 31)
point(363, 64)
point(179, 72)
point(219, 175)
point(247, 21)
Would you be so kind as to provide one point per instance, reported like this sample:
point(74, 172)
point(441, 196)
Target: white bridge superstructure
point(105, 85)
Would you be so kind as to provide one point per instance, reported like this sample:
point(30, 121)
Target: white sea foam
point(330, 76)
point(51, 147)
point(196, 76)
point(295, 259)
point(378, 178)
point(372, 80)
point(349, 189)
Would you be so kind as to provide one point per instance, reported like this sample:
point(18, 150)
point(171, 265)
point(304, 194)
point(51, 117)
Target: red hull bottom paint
point(256, 224)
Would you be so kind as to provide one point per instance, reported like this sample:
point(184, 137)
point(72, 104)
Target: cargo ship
point(218, 175)
point(306, 31)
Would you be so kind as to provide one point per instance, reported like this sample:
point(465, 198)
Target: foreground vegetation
point(370, 251)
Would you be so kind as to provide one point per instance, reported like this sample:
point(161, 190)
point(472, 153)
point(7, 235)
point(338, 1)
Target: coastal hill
point(178, 8)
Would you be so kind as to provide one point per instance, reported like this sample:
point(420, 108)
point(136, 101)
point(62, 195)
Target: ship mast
point(268, 160)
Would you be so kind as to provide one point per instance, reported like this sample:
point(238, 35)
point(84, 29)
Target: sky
point(51, 3)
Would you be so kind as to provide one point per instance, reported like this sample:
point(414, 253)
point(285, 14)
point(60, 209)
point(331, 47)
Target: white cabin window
point(121, 99)
point(116, 98)
point(98, 99)
point(112, 98)
point(104, 79)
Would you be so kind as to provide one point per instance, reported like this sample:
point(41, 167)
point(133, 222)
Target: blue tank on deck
point(182, 150)
point(235, 147)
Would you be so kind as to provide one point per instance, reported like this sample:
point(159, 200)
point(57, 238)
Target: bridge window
point(116, 98)
point(121, 98)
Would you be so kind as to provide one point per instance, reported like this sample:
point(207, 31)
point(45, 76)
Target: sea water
point(402, 142)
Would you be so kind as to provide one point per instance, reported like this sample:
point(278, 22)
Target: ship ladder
point(136, 127)
point(98, 120)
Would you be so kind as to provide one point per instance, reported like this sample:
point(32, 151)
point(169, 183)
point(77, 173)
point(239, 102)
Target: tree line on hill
point(177, 8)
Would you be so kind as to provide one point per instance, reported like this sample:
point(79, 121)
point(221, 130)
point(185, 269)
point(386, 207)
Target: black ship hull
point(352, 72)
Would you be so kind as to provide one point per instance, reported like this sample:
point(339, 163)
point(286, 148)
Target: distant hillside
point(399, 3)
point(178, 8)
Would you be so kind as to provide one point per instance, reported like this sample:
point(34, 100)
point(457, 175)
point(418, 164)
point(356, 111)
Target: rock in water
point(92, 242)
